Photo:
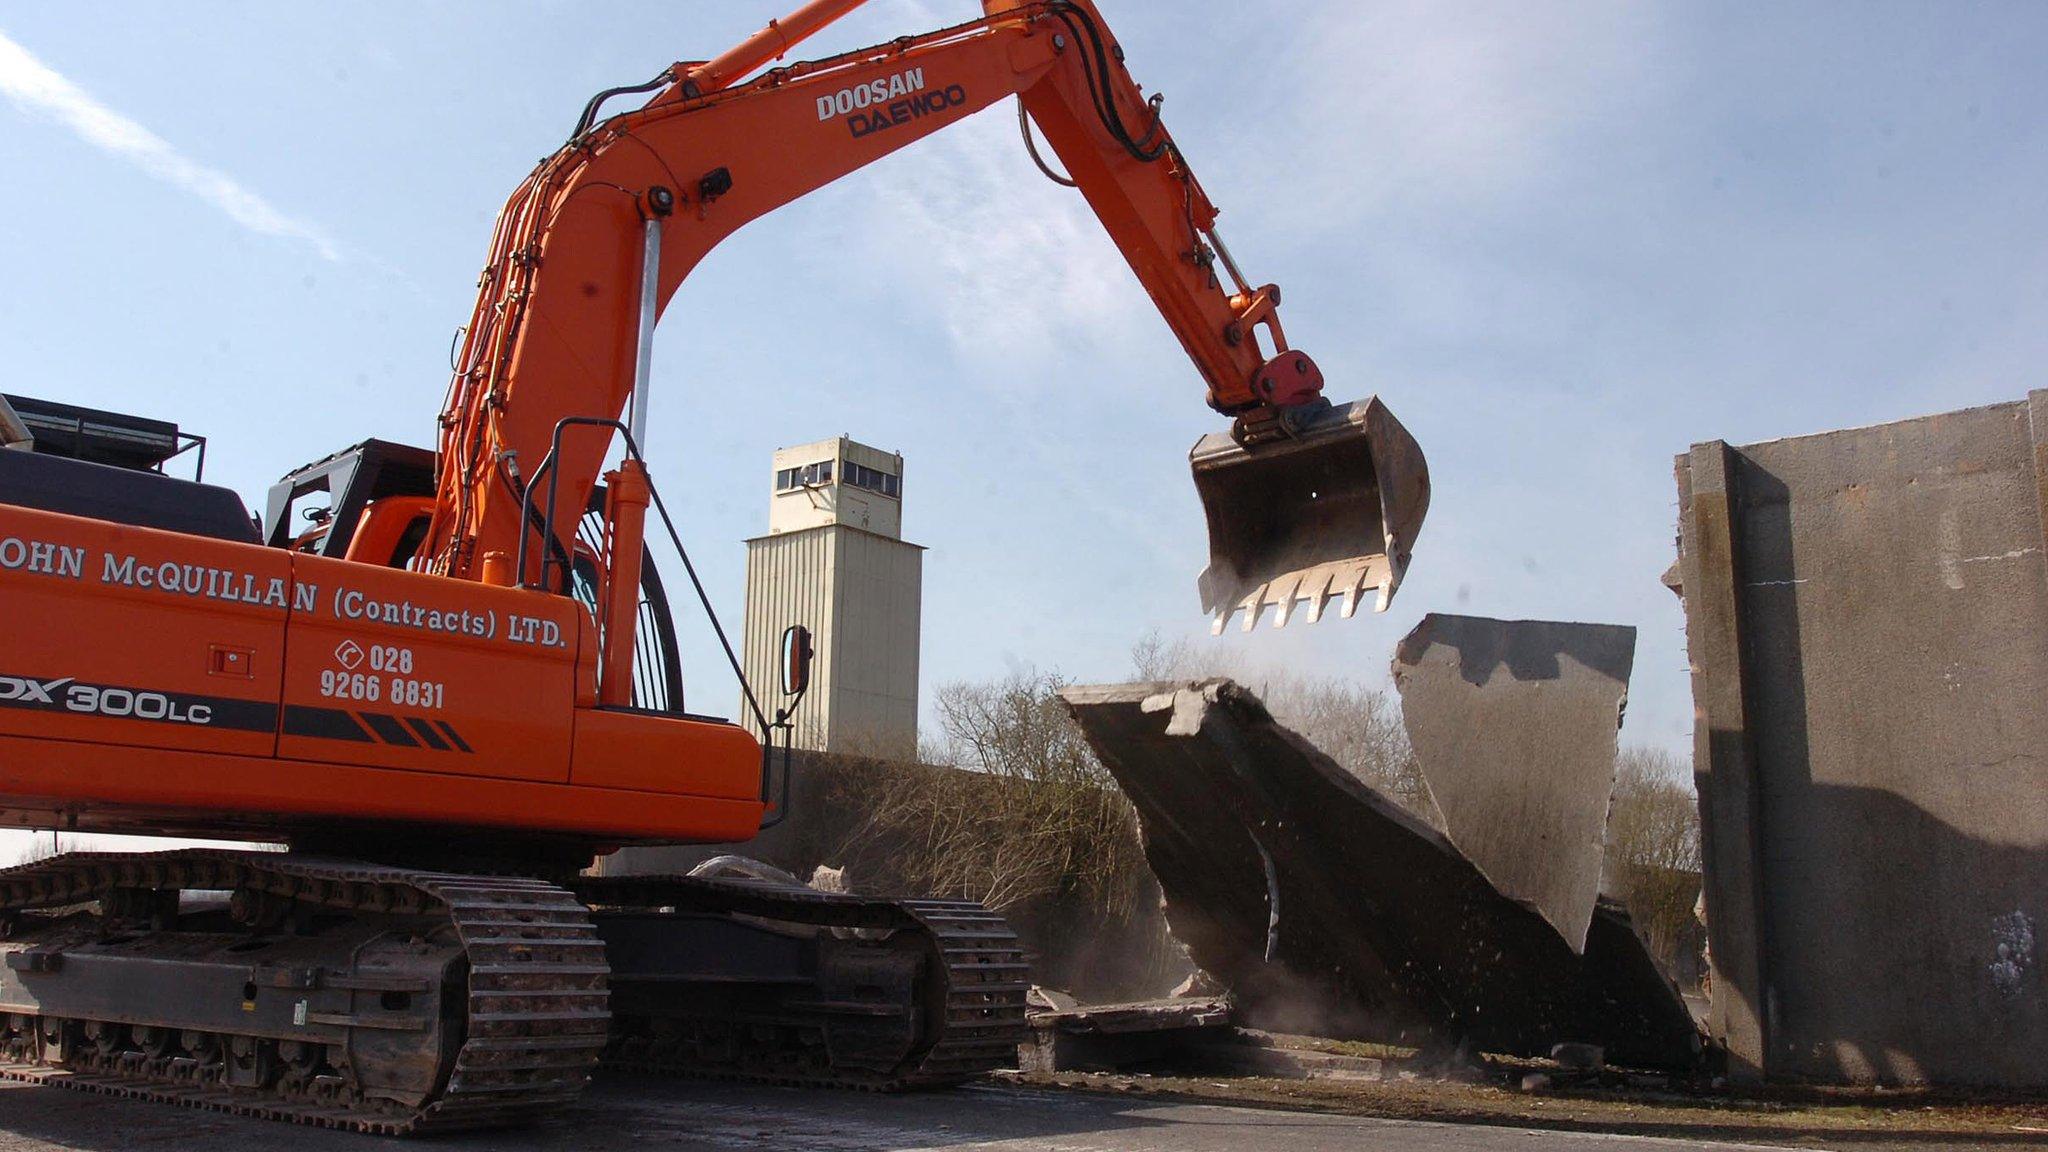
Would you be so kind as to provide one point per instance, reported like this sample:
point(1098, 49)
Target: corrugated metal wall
point(787, 584)
point(860, 594)
point(877, 590)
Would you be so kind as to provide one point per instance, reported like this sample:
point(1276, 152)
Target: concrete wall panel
point(1867, 613)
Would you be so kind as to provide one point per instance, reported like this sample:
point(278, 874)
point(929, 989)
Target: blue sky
point(1563, 241)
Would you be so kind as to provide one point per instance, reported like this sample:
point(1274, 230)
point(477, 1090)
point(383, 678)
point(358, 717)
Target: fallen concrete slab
point(1515, 726)
point(1328, 910)
point(1070, 1038)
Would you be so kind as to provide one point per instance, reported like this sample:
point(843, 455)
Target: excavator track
point(522, 1027)
point(889, 994)
point(964, 1007)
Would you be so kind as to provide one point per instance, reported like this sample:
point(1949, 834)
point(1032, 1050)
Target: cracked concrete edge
point(1191, 700)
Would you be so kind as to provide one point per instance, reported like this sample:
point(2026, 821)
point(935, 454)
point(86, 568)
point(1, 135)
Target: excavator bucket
point(1330, 512)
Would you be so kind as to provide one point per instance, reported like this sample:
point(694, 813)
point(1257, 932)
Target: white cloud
point(37, 89)
point(1016, 267)
point(1429, 106)
point(1407, 107)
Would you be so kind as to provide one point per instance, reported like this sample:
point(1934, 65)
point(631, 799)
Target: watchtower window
point(872, 479)
point(789, 479)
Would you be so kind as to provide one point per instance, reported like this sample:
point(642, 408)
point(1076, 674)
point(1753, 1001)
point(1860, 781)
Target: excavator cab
point(1326, 507)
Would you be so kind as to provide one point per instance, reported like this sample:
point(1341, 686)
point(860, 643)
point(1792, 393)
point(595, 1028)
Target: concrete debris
point(1515, 726)
point(1237, 1057)
point(1099, 1037)
point(732, 867)
point(1384, 930)
point(1139, 1016)
point(1040, 999)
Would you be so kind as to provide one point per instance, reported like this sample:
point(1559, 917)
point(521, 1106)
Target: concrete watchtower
point(835, 560)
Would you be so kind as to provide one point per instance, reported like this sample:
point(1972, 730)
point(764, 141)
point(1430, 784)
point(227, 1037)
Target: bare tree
point(1655, 821)
point(1030, 815)
point(1012, 809)
point(1653, 853)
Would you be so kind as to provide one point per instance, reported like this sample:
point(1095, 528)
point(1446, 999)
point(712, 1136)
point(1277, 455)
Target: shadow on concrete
point(1530, 649)
point(1884, 1013)
point(1891, 945)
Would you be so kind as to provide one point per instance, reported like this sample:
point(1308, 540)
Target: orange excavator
point(446, 679)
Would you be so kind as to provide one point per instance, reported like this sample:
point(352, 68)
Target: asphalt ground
point(623, 1113)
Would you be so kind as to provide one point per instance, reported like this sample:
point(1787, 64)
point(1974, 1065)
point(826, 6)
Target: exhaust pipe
point(1328, 512)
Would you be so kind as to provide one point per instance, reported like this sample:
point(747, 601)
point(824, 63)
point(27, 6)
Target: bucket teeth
point(1311, 592)
point(1350, 605)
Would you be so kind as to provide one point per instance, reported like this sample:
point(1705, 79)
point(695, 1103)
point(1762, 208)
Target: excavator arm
point(1306, 501)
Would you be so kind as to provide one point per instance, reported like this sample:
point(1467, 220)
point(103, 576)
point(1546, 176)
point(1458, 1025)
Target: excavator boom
point(1305, 502)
